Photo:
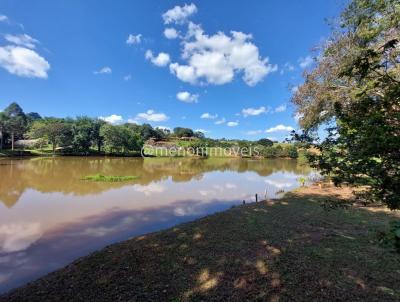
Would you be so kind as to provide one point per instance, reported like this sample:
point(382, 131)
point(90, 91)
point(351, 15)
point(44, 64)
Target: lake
point(49, 216)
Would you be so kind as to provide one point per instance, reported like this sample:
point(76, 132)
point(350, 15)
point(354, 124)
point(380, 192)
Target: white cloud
point(221, 121)
point(253, 132)
point(171, 33)
point(183, 72)
point(112, 119)
point(22, 40)
point(23, 62)
point(305, 62)
point(3, 18)
point(201, 130)
point(253, 111)
point(216, 59)
point(134, 39)
point(278, 183)
point(232, 124)
point(152, 116)
point(209, 116)
point(128, 77)
point(179, 14)
point(294, 89)
point(287, 67)
point(18, 237)
point(150, 189)
point(187, 97)
point(279, 128)
point(281, 108)
point(104, 70)
point(162, 59)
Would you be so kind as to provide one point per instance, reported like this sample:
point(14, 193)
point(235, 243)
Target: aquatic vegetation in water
point(99, 177)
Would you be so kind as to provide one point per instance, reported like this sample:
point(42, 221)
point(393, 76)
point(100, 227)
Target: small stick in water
point(256, 197)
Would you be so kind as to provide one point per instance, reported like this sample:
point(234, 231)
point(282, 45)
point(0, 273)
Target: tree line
point(81, 134)
point(84, 135)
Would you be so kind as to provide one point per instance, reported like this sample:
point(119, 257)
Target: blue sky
point(222, 66)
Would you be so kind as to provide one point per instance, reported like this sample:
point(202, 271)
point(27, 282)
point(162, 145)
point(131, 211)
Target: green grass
point(104, 178)
point(288, 250)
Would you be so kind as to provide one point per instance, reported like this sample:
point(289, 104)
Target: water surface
point(49, 216)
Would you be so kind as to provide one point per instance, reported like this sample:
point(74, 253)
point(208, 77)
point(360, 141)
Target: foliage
point(119, 138)
point(356, 84)
point(183, 132)
point(265, 142)
point(56, 131)
point(14, 121)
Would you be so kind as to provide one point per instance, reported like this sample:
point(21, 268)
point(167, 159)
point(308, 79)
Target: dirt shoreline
point(294, 248)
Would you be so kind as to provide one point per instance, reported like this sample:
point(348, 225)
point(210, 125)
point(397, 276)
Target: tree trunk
point(12, 141)
point(1, 139)
point(54, 148)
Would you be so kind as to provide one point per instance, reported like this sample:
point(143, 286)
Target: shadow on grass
point(291, 249)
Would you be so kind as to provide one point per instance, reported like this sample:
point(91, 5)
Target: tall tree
point(56, 131)
point(3, 125)
point(16, 121)
point(356, 84)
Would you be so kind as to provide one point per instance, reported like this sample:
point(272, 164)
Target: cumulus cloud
point(179, 14)
point(23, 62)
point(162, 59)
point(221, 121)
point(305, 62)
point(187, 97)
point(171, 33)
point(279, 128)
point(128, 77)
point(209, 116)
point(112, 119)
point(232, 124)
point(217, 58)
point(22, 40)
point(3, 18)
point(152, 116)
point(134, 39)
point(104, 70)
point(253, 111)
point(281, 108)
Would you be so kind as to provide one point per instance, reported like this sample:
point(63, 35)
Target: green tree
point(83, 129)
point(15, 122)
point(3, 125)
point(265, 142)
point(97, 138)
point(356, 84)
point(183, 132)
point(56, 131)
point(120, 138)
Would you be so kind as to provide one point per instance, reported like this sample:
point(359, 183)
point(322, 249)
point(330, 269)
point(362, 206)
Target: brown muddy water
point(49, 216)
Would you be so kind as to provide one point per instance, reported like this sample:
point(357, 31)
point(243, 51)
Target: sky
point(227, 68)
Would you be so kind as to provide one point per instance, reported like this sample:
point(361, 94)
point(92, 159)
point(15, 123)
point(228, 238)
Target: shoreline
point(288, 248)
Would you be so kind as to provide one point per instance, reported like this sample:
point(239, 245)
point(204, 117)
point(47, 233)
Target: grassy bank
point(304, 247)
